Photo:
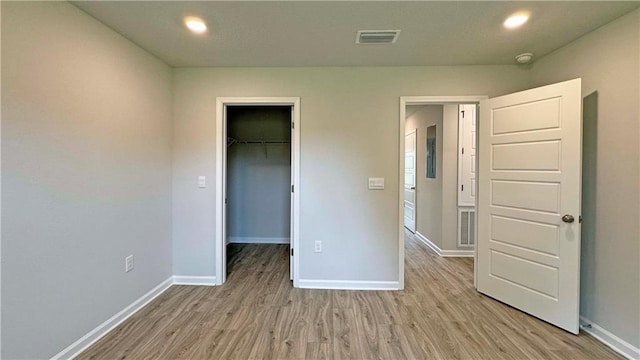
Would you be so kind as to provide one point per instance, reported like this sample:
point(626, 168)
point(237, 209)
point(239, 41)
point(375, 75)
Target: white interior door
point(292, 204)
point(410, 181)
point(467, 155)
point(529, 192)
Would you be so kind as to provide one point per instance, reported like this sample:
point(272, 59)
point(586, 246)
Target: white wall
point(86, 175)
point(259, 176)
point(607, 60)
point(349, 131)
point(450, 182)
point(428, 190)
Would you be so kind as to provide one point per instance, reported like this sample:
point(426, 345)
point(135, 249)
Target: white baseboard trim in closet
point(257, 240)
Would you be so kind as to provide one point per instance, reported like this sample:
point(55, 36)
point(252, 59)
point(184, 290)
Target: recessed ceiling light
point(516, 20)
point(195, 24)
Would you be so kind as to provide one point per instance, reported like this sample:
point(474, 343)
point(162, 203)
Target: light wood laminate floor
point(257, 314)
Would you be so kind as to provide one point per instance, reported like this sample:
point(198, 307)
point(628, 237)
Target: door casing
point(221, 160)
point(421, 100)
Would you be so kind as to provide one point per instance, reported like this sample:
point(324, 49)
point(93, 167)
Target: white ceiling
point(322, 33)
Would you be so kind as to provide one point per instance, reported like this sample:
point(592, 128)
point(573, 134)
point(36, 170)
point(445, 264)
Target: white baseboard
point(457, 253)
point(257, 240)
point(195, 280)
point(618, 345)
point(94, 335)
point(444, 253)
point(348, 285)
point(427, 242)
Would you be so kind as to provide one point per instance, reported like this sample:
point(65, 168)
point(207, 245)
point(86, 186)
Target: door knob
point(568, 219)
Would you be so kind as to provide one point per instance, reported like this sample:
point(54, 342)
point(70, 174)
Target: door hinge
point(291, 251)
point(293, 125)
point(462, 113)
point(291, 188)
point(225, 201)
point(580, 219)
point(461, 187)
point(462, 151)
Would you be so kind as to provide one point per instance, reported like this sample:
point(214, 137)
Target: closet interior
point(258, 178)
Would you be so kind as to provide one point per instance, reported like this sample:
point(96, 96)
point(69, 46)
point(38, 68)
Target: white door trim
point(420, 100)
point(221, 151)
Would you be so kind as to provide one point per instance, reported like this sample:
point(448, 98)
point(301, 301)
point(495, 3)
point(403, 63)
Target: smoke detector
point(524, 58)
point(377, 36)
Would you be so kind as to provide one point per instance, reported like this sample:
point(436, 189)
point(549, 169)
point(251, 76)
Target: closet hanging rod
point(261, 142)
point(231, 141)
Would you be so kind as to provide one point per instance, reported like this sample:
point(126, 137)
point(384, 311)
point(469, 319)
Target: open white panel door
point(292, 203)
point(223, 192)
point(410, 181)
point(529, 201)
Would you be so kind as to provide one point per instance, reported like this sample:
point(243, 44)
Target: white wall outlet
point(128, 263)
point(202, 181)
point(376, 183)
point(318, 246)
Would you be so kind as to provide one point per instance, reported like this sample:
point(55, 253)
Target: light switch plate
point(376, 183)
point(128, 263)
point(202, 181)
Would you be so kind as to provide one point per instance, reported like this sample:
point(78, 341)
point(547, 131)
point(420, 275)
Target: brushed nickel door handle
point(568, 219)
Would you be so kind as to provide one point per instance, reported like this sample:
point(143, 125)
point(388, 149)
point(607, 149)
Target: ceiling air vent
point(377, 36)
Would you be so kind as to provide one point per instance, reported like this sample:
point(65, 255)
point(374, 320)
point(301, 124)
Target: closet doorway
point(257, 176)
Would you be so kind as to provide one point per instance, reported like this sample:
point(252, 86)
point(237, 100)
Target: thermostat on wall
point(376, 183)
